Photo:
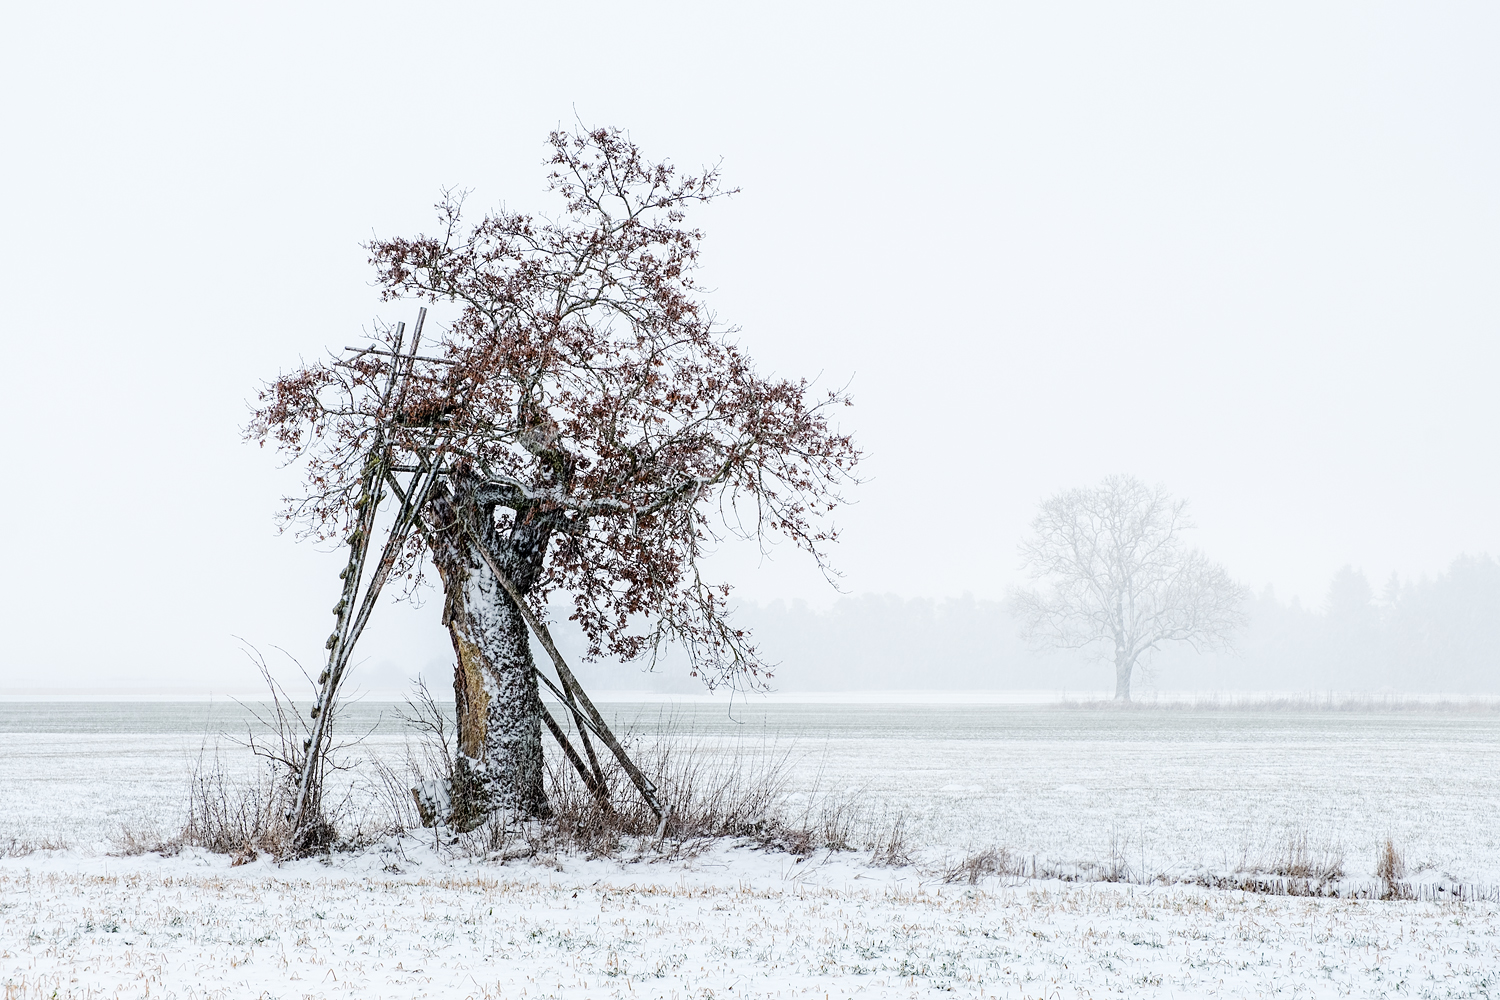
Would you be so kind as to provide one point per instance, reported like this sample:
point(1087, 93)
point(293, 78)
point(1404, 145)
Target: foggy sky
point(1248, 251)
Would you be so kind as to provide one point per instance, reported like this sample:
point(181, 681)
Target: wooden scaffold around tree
point(408, 466)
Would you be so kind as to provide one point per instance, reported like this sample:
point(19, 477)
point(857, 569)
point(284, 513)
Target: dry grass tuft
point(980, 864)
point(18, 848)
point(1292, 854)
point(247, 817)
point(1390, 863)
point(711, 793)
point(135, 840)
point(231, 816)
point(890, 848)
point(1299, 859)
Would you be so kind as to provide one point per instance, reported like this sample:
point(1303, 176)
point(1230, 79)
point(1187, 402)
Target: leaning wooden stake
point(572, 692)
point(644, 784)
point(600, 792)
point(592, 774)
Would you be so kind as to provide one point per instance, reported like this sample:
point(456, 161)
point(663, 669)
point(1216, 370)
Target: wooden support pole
point(600, 792)
point(583, 725)
point(642, 783)
point(572, 691)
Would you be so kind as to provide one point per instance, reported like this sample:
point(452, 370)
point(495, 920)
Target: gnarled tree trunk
point(498, 766)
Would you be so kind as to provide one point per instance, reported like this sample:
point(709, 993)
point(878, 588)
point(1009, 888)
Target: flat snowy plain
point(1168, 793)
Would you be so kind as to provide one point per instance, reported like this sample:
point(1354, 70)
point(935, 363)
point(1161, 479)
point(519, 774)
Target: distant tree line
point(1426, 635)
point(1431, 634)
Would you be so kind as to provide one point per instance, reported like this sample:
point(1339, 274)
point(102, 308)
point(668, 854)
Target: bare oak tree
point(598, 432)
point(1119, 577)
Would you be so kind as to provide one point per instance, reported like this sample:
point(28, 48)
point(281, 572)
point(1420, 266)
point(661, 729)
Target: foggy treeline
point(1428, 635)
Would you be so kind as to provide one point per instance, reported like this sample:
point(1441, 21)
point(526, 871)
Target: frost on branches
point(597, 429)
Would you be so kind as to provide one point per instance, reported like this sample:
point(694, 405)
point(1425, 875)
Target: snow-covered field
point(1175, 792)
point(733, 923)
point(1171, 791)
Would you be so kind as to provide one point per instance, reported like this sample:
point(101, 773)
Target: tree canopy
point(583, 390)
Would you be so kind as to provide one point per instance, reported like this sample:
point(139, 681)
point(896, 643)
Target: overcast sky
point(1247, 250)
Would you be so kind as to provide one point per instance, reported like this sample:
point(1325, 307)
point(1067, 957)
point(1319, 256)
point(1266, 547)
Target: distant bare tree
point(1119, 577)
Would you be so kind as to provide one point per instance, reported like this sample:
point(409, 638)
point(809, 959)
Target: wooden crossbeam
point(407, 357)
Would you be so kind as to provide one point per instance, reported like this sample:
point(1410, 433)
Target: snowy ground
point(733, 923)
point(1170, 793)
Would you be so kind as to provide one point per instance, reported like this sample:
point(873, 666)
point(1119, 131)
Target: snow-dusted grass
point(401, 922)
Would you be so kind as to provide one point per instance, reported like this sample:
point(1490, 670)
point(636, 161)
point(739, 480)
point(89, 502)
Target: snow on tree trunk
point(498, 766)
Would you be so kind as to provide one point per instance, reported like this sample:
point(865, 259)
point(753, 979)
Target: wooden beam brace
point(600, 792)
point(643, 784)
point(597, 779)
